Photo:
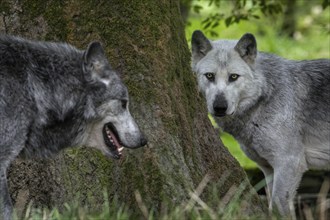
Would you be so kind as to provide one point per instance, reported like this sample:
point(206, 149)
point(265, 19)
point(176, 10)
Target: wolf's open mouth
point(111, 139)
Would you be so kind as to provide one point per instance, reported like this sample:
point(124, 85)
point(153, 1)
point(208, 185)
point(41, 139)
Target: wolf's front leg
point(5, 202)
point(269, 177)
point(287, 176)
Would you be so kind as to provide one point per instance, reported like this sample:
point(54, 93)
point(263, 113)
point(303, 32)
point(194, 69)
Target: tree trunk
point(145, 42)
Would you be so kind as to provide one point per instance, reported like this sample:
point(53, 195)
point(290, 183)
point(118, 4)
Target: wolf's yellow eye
point(233, 77)
point(210, 76)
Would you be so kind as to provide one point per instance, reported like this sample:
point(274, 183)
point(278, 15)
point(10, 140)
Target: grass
point(311, 41)
point(228, 207)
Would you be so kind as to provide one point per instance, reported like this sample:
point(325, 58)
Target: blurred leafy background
point(294, 29)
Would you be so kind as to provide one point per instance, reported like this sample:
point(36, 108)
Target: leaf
point(216, 24)
point(236, 20)
point(213, 34)
point(217, 3)
point(206, 20)
point(228, 21)
point(325, 4)
point(197, 8)
point(207, 25)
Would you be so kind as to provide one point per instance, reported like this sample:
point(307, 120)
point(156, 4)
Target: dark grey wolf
point(53, 96)
point(277, 109)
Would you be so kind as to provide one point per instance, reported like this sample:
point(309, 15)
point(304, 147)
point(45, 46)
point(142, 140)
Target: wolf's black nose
point(220, 106)
point(144, 141)
point(220, 110)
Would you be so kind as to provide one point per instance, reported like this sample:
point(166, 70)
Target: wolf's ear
point(200, 46)
point(94, 56)
point(247, 48)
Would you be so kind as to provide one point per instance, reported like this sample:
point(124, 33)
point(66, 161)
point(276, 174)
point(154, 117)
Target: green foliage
point(235, 11)
point(238, 10)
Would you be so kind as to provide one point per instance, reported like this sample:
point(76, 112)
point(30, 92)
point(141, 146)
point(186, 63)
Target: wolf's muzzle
point(143, 141)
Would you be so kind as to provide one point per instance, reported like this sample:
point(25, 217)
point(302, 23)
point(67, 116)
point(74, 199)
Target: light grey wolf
point(54, 96)
point(278, 109)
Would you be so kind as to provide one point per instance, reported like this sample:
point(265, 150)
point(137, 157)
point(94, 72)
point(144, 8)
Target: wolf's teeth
point(120, 149)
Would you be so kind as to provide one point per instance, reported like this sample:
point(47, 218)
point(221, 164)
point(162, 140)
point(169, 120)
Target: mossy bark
point(145, 42)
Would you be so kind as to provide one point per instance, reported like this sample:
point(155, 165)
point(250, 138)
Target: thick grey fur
point(54, 96)
point(278, 109)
